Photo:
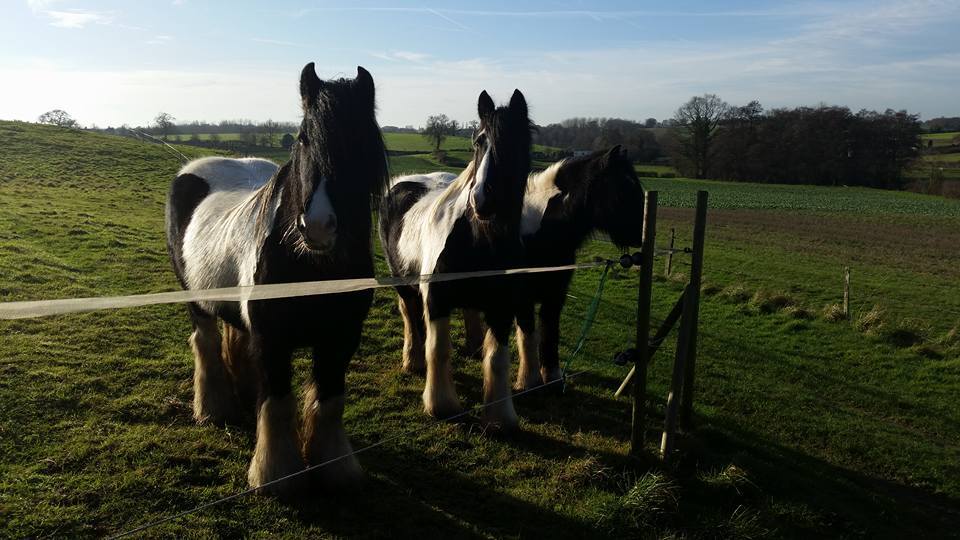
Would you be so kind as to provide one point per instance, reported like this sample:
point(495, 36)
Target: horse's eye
point(479, 140)
point(302, 137)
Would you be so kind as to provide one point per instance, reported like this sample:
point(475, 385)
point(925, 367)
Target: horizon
point(108, 63)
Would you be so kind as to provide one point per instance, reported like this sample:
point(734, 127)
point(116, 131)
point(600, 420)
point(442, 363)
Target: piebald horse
point(237, 222)
point(436, 223)
point(564, 205)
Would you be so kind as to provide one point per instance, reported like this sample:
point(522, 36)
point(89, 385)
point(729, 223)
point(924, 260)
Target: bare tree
point(57, 117)
point(437, 129)
point(271, 128)
point(164, 122)
point(697, 123)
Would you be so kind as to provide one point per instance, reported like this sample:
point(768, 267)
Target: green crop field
point(807, 426)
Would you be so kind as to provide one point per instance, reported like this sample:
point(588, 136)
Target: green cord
point(587, 322)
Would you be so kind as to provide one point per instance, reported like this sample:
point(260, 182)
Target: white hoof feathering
point(439, 394)
point(213, 397)
point(325, 442)
point(528, 374)
point(277, 453)
point(413, 355)
point(498, 409)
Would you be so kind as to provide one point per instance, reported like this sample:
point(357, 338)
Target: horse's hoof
point(411, 368)
point(342, 476)
point(216, 412)
point(528, 382)
point(549, 375)
point(442, 410)
point(260, 475)
point(498, 423)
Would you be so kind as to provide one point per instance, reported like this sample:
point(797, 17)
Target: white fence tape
point(45, 308)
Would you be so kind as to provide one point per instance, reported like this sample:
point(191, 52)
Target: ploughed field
point(808, 424)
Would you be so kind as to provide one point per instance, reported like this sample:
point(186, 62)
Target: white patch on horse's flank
point(221, 245)
point(541, 187)
point(482, 173)
point(321, 209)
point(428, 223)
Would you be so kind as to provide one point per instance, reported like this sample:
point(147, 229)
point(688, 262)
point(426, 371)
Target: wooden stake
point(681, 383)
point(638, 427)
point(669, 264)
point(846, 292)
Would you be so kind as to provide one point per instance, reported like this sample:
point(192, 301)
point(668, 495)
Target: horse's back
point(221, 173)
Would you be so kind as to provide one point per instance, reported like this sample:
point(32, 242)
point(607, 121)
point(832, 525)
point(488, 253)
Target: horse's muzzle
point(319, 237)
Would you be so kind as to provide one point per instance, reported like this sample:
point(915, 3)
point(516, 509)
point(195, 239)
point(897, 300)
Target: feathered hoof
point(500, 418)
point(414, 368)
point(216, 408)
point(261, 474)
point(549, 375)
point(528, 381)
point(342, 476)
point(442, 409)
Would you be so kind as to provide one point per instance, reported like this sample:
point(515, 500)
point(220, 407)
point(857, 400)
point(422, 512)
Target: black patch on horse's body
point(186, 193)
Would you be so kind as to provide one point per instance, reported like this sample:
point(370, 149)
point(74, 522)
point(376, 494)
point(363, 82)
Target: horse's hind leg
point(245, 373)
point(497, 396)
point(277, 453)
point(213, 397)
point(324, 440)
point(411, 308)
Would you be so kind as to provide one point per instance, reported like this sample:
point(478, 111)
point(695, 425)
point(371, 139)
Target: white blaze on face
point(319, 219)
point(476, 194)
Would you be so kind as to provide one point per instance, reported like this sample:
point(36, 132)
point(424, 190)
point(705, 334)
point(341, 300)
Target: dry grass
point(736, 293)
point(872, 321)
point(798, 312)
point(834, 313)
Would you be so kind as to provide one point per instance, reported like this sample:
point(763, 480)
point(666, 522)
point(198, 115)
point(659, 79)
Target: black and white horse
point(440, 223)
point(243, 222)
point(563, 206)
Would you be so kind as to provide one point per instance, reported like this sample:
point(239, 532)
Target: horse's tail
point(239, 362)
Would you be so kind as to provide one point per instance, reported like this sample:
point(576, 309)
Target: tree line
point(826, 145)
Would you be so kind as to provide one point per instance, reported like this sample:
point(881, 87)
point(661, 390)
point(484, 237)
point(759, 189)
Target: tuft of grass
point(907, 333)
point(872, 321)
point(834, 313)
point(730, 478)
point(578, 473)
point(767, 302)
point(650, 498)
point(736, 293)
point(799, 313)
point(710, 289)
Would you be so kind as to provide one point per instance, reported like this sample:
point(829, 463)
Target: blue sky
point(111, 62)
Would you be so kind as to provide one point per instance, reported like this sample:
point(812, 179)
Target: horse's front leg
point(439, 394)
point(324, 439)
point(277, 452)
point(411, 309)
point(213, 396)
point(528, 343)
point(497, 396)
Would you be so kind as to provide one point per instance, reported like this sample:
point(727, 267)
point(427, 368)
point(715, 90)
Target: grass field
point(940, 139)
point(806, 427)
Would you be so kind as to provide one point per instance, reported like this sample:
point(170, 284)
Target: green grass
point(940, 139)
point(806, 428)
point(859, 201)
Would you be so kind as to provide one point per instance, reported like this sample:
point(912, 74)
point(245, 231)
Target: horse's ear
point(614, 154)
point(485, 106)
point(364, 82)
point(518, 103)
point(310, 84)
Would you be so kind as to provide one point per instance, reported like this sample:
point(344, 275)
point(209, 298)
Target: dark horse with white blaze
point(563, 206)
point(237, 222)
point(436, 224)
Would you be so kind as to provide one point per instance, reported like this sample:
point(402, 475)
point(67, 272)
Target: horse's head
point(611, 192)
point(339, 160)
point(501, 158)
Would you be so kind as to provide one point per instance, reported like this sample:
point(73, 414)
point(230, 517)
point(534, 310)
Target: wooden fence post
point(682, 380)
point(669, 264)
point(846, 292)
point(642, 357)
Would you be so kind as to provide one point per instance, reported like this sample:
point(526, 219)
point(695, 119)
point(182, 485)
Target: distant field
point(940, 139)
point(855, 200)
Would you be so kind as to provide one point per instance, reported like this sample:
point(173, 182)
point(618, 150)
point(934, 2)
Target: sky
point(113, 62)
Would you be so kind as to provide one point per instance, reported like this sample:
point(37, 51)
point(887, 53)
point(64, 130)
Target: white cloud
point(68, 18)
point(159, 40)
